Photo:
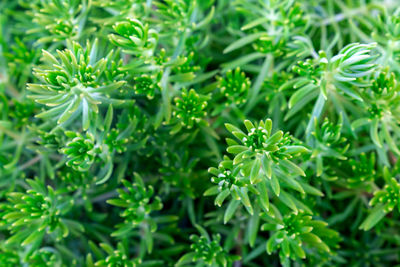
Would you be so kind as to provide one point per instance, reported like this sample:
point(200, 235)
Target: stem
point(316, 113)
point(255, 89)
point(30, 162)
point(166, 105)
point(239, 249)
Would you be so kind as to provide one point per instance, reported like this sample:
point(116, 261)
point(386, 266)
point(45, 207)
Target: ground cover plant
point(199, 133)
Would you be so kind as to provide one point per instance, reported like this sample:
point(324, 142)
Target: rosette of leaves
point(384, 201)
point(52, 23)
point(11, 147)
point(234, 86)
point(362, 171)
point(45, 257)
point(74, 85)
point(22, 111)
point(116, 141)
point(175, 14)
point(128, 134)
point(206, 251)
point(80, 151)
point(230, 182)
point(74, 180)
point(189, 110)
point(48, 140)
point(270, 25)
point(137, 203)
point(117, 10)
point(274, 95)
point(9, 258)
point(21, 59)
point(262, 163)
point(111, 257)
point(381, 116)
point(328, 143)
point(262, 152)
point(185, 68)
point(343, 72)
point(346, 73)
point(147, 85)
point(295, 231)
point(37, 212)
point(134, 38)
point(384, 30)
point(177, 169)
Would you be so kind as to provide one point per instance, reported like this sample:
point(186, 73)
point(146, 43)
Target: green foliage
point(295, 230)
point(137, 208)
point(80, 151)
point(235, 86)
point(189, 108)
point(75, 85)
point(112, 111)
point(207, 251)
point(39, 211)
point(134, 38)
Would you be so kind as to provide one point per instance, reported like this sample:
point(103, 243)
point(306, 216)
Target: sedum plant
point(199, 133)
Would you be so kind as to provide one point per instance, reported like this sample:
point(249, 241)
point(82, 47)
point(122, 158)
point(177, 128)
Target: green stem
point(255, 89)
point(165, 94)
point(316, 113)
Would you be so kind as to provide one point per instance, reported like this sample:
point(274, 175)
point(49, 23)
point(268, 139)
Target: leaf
point(207, 19)
point(389, 139)
point(275, 185)
point(271, 244)
point(316, 113)
point(236, 149)
point(255, 170)
point(274, 138)
point(310, 189)
point(285, 245)
point(231, 128)
point(241, 61)
point(245, 199)
point(263, 197)
point(293, 168)
point(315, 241)
point(300, 104)
point(73, 106)
point(249, 125)
point(221, 197)
point(123, 231)
point(300, 94)
point(85, 115)
point(294, 184)
point(286, 199)
point(202, 231)
point(243, 41)
point(360, 122)
point(231, 209)
point(374, 132)
point(294, 150)
point(108, 118)
point(118, 202)
point(376, 214)
point(211, 191)
point(267, 165)
point(254, 253)
point(185, 259)
point(148, 239)
point(33, 237)
point(298, 250)
point(252, 228)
